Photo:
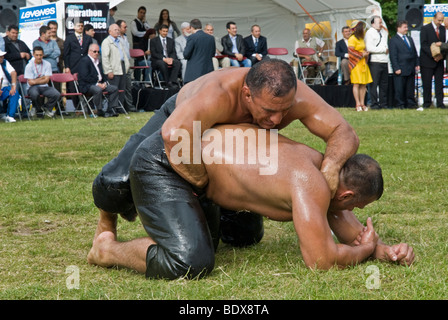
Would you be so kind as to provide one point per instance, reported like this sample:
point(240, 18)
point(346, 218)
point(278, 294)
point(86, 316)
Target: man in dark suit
point(92, 80)
point(198, 52)
point(341, 51)
point(17, 52)
point(164, 58)
point(429, 66)
point(404, 60)
point(256, 45)
point(233, 47)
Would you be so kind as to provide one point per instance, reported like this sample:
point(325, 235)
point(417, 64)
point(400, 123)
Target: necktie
point(164, 46)
point(407, 43)
point(256, 44)
point(437, 32)
point(80, 40)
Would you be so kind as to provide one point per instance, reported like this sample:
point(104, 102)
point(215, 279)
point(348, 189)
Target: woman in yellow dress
point(359, 70)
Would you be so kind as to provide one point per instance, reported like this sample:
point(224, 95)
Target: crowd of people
point(369, 57)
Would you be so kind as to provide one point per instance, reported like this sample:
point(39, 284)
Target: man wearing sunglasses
point(93, 81)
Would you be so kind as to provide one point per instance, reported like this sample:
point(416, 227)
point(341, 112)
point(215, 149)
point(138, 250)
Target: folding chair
point(139, 53)
point(25, 98)
point(305, 65)
point(66, 78)
point(277, 51)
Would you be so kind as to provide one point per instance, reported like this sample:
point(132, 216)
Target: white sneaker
point(420, 109)
point(32, 112)
point(9, 119)
point(49, 114)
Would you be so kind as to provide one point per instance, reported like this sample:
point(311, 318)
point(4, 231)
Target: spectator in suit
point(38, 72)
point(8, 89)
point(341, 51)
point(115, 60)
point(233, 47)
point(50, 48)
point(256, 45)
point(218, 60)
point(404, 60)
point(164, 58)
point(199, 52)
point(180, 42)
point(76, 46)
point(92, 80)
point(376, 40)
point(17, 52)
point(138, 27)
point(432, 66)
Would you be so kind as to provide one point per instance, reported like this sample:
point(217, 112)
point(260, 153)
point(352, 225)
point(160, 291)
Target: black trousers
point(185, 225)
point(378, 88)
point(404, 87)
point(427, 74)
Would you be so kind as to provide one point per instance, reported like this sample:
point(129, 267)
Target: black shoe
point(442, 107)
point(100, 113)
point(172, 85)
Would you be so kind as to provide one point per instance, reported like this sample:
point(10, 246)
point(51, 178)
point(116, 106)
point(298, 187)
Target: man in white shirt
point(376, 40)
point(8, 80)
point(138, 27)
point(38, 73)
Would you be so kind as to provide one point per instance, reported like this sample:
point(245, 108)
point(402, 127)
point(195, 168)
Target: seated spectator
point(9, 90)
point(233, 47)
point(38, 72)
point(219, 61)
point(341, 51)
point(50, 48)
point(310, 42)
point(180, 42)
point(256, 45)
point(92, 80)
point(17, 52)
point(164, 58)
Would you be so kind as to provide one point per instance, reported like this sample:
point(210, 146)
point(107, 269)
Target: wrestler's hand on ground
point(369, 236)
point(401, 253)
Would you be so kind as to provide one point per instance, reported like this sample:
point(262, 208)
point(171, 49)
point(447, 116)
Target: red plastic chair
point(277, 51)
point(139, 53)
point(304, 65)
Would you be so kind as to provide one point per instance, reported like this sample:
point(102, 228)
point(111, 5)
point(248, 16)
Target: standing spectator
point(256, 45)
point(128, 91)
point(341, 51)
point(376, 40)
point(199, 52)
point(50, 48)
point(233, 47)
point(164, 18)
point(115, 61)
point(164, 58)
point(404, 60)
point(90, 31)
point(17, 52)
point(53, 25)
point(359, 70)
point(38, 72)
point(93, 80)
point(112, 12)
point(9, 90)
point(139, 27)
point(218, 60)
point(180, 42)
point(432, 66)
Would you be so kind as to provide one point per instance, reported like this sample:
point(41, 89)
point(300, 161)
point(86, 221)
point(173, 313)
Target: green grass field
point(47, 218)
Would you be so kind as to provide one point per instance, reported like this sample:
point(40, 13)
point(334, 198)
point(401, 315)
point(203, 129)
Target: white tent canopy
point(281, 21)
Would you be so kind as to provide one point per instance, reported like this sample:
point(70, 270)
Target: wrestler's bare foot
point(99, 252)
point(107, 222)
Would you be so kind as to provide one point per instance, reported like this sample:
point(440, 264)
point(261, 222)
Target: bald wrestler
point(293, 188)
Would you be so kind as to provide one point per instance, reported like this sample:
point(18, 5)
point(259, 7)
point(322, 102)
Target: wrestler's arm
point(348, 229)
point(327, 123)
point(316, 242)
point(198, 113)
